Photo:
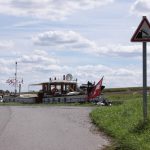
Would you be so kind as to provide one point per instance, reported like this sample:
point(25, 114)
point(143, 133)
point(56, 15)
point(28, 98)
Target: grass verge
point(124, 123)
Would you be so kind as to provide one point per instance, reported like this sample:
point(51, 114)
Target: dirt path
point(48, 128)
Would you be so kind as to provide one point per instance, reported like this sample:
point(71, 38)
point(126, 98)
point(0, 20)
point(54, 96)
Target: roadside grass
point(124, 123)
point(126, 89)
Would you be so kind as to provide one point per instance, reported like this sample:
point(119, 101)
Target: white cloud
point(70, 40)
point(113, 76)
point(37, 61)
point(39, 66)
point(28, 63)
point(4, 70)
point(31, 66)
point(120, 50)
point(48, 9)
point(141, 7)
point(27, 23)
point(37, 56)
point(6, 45)
point(63, 40)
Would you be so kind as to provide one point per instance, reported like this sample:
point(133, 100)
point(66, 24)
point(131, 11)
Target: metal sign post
point(142, 34)
point(145, 81)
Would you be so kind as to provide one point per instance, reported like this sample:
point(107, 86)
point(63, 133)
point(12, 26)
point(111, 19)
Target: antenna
point(14, 81)
point(15, 78)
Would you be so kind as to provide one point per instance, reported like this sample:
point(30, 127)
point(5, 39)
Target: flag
point(96, 91)
point(11, 81)
point(8, 81)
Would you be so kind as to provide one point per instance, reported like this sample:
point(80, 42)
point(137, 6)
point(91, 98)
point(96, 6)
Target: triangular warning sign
point(142, 33)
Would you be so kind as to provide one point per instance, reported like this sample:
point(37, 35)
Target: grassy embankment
point(124, 122)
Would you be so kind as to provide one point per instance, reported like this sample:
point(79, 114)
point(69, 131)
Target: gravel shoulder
point(48, 128)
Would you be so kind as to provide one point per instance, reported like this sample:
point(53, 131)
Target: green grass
point(124, 123)
point(126, 89)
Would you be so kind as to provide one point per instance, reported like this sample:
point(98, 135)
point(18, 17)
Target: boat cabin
point(58, 87)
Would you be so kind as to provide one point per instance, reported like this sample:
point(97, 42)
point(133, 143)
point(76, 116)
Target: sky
point(86, 38)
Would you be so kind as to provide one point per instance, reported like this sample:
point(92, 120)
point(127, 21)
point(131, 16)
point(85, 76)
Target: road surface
point(48, 128)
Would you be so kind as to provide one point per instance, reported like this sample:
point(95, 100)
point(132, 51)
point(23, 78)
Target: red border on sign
point(133, 39)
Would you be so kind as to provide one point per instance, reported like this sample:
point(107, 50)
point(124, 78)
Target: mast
point(16, 78)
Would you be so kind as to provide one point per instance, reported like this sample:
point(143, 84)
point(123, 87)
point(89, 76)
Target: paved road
point(48, 128)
